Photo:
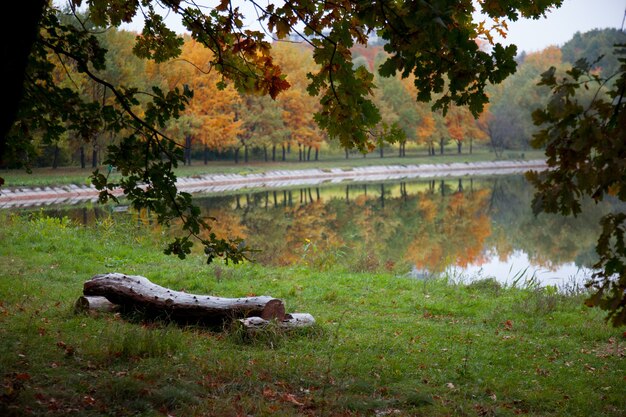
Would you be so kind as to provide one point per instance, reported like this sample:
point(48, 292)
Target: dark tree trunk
point(471, 145)
point(317, 154)
point(284, 155)
point(188, 149)
point(55, 157)
point(18, 42)
point(94, 157)
point(299, 152)
point(346, 150)
point(459, 144)
point(265, 153)
point(245, 153)
point(382, 150)
point(237, 155)
point(273, 153)
point(441, 144)
point(82, 157)
point(308, 154)
point(206, 155)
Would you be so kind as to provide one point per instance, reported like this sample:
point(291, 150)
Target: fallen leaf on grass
point(290, 398)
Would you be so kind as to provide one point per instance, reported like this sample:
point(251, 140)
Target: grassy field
point(383, 345)
point(42, 177)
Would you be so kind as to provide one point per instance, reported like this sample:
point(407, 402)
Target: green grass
point(382, 343)
point(43, 177)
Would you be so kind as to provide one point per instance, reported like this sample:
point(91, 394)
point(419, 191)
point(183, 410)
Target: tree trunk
point(188, 149)
point(458, 146)
point(308, 154)
point(382, 151)
point(317, 154)
point(273, 153)
point(346, 150)
point(245, 153)
point(471, 145)
point(441, 146)
point(82, 157)
point(55, 158)
point(284, 156)
point(299, 152)
point(265, 153)
point(137, 293)
point(206, 155)
point(237, 155)
point(14, 55)
point(94, 157)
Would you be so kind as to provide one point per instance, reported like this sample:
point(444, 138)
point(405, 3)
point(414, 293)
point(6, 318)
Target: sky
point(561, 24)
point(556, 28)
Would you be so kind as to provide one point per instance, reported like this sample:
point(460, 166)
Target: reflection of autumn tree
point(375, 227)
point(310, 223)
point(267, 227)
point(548, 240)
point(227, 224)
point(451, 230)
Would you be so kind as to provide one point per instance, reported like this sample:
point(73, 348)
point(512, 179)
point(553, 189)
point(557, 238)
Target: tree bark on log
point(134, 292)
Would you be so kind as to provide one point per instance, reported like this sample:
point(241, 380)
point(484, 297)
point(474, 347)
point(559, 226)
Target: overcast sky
point(561, 24)
point(556, 28)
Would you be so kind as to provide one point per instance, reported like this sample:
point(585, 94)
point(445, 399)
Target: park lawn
point(44, 177)
point(383, 344)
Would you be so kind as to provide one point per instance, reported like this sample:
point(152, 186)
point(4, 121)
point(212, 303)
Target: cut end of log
point(274, 310)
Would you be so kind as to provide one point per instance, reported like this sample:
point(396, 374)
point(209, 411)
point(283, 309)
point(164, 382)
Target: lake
point(467, 228)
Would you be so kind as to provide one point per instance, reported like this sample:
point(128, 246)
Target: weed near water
point(382, 345)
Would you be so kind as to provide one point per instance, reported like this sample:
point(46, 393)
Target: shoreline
point(215, 183)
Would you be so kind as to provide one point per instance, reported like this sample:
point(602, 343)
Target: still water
point(466, 227)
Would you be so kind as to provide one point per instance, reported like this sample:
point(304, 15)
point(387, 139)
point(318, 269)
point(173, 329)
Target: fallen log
point(85, 304)
point(134, 292)
point(291, 321)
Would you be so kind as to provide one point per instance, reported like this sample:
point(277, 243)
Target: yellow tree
point(426, 132)
point(298, 106)
point(211, 117)
point(462, 126)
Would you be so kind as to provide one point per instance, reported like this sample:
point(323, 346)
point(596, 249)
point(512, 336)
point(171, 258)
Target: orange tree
point(435, 44)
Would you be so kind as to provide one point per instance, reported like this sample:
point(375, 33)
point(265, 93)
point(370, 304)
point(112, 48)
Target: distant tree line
point(222, 124)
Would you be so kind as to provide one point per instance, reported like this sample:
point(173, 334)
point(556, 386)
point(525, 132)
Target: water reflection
point(463, 226)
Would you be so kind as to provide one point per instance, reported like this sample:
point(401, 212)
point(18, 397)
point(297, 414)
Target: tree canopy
point(583, 132)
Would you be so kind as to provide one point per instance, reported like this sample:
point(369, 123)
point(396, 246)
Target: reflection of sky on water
point(519, 269)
